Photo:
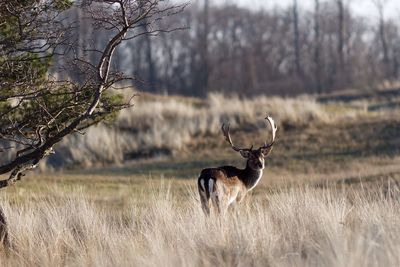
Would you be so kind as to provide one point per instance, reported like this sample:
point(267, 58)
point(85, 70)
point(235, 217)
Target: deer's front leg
point(222, 197)
point(240, 196)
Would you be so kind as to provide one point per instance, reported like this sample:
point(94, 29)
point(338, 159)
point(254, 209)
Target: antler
point(225, 131)
point(274, 129)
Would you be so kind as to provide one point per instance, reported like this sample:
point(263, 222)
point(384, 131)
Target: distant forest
point(278, 51)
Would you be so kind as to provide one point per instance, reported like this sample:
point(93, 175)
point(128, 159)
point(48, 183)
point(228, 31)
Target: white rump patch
point(210, 185)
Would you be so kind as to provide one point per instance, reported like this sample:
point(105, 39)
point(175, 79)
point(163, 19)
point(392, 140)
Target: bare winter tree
point(36, 110)
point(380, 6)
point(202, 68)
point(341, 25)
point(296, 39)
point(317, 49)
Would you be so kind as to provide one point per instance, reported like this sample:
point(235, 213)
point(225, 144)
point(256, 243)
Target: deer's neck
point(251, 177)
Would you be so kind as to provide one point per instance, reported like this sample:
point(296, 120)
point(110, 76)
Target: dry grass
point(164, 126)
point(301, 226)
point(161, 126)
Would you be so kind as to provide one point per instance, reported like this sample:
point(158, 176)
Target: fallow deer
point(220, 187)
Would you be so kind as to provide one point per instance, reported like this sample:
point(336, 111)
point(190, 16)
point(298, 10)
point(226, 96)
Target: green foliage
point(109, 101)
point(4, 106)
point(63, 4)
point(8, 26)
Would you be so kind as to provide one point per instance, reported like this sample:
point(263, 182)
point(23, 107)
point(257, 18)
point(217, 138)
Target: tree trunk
point(204, 70)
point(382, 36)
point(317, 51)
point(297, 59)
point(340, 47)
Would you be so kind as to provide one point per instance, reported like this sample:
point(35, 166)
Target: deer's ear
point(245, 153)
point(266, 151)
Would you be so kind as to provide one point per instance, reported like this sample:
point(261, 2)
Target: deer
point(222, 186)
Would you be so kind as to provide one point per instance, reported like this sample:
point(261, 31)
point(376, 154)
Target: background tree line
point(281, 51)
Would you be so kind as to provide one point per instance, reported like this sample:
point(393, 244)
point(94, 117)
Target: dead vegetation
point(169, 126)
point(299, 226)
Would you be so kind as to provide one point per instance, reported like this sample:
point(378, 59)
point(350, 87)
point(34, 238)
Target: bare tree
point(340, 46)
point(380, 6)
point(203, 73)
point(36, 116)
point(151, 78)
point(296, 39)
point(317, 49)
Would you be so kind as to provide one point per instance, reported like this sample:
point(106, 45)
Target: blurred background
point(262, 47)
point(326, 70)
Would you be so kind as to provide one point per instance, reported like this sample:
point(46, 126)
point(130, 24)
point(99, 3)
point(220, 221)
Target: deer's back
point(225, 174)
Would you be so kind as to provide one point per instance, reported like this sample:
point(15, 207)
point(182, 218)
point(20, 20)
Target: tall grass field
point(298, 226)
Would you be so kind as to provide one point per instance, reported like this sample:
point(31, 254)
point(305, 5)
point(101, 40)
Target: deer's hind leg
point(215, 199)
point(205, 203)
point(204, 196)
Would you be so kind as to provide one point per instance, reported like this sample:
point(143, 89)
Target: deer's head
point(255, 157)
